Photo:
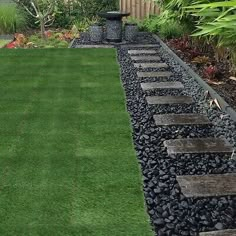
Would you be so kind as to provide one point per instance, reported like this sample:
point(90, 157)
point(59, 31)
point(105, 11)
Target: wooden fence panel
point(139, 9)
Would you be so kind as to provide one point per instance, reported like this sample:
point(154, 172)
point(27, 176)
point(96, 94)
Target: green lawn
point(67, 164)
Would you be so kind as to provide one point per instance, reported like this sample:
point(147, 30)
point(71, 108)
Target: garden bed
point(219, 77)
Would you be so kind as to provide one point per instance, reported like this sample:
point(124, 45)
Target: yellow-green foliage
point(11, 18)
point(3, 42)
point(216, 22)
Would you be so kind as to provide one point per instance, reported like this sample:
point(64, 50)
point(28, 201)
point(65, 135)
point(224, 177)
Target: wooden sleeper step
point(150, 65)
point(140, 46)
point(142, 51)
point(145, 58)
point(94, 46)
point(226, 232)
point(207, 185)
point(154, 74)
point(181, 119)
point(162, 85)
point(168, 100)
point(198, 145)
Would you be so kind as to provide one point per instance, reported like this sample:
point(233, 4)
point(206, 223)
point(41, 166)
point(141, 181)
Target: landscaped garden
point(104, 130)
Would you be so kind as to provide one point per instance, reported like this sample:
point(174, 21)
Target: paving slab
point(150, 65)
point(226, 232)
point(142, 51)
point(162, 85)
point(94, 46)
point(154, 74)
point(168, 100)
point(181, 119)
point(145, 58)
point(140, 46)
point(207, 185)
point(198, 145)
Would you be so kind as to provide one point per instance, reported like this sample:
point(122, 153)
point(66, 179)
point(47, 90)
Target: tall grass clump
point(12, 18)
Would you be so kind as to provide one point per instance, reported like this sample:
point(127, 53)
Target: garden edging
point(223, 104)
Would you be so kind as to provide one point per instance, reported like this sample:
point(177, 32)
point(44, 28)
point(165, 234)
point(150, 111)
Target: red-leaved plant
point(184, 45)
point(210, 72)
point(18, 42)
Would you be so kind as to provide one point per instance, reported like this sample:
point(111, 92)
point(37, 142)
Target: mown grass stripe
point(73, 169)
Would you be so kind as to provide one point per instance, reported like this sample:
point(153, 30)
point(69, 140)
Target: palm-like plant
point(177, 11)
point(217, 22)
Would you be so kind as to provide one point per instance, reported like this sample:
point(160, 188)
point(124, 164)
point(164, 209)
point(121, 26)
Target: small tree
point(42, 10)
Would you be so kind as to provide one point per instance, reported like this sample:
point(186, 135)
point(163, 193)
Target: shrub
point(82, 25)
point(79, 11)
point(171, 29)
point(90, 8)
point(151, 24)
point(65, 17)
point(165, 24)
point(12, 18)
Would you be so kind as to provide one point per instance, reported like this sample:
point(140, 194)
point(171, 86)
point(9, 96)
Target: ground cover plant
point(53, 39)
point(67, 163)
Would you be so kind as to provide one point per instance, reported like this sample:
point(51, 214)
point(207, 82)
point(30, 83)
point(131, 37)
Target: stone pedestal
point(114, 30)
point(113, 25)
point(96, 33)
point(131, 31)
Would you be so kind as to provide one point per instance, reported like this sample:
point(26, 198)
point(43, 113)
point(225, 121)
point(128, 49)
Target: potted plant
point(96, 31)
point(131, 30)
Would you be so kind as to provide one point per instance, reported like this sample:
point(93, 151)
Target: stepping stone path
point(207, 185)
point(137, 52)
point(94, 46)
point(227, 232)
point(195, 185)
point(198, 145)
point(154, 74)
point(145, 58)
point(150, 65)
point(167, 100)
point(181, 119)
point(162, 85)
point(140, 46)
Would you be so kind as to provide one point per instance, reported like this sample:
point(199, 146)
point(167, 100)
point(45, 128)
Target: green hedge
point(82, 10)
point(90, 8)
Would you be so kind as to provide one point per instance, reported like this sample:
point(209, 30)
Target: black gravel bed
point(171, 213)
point(142, 38)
